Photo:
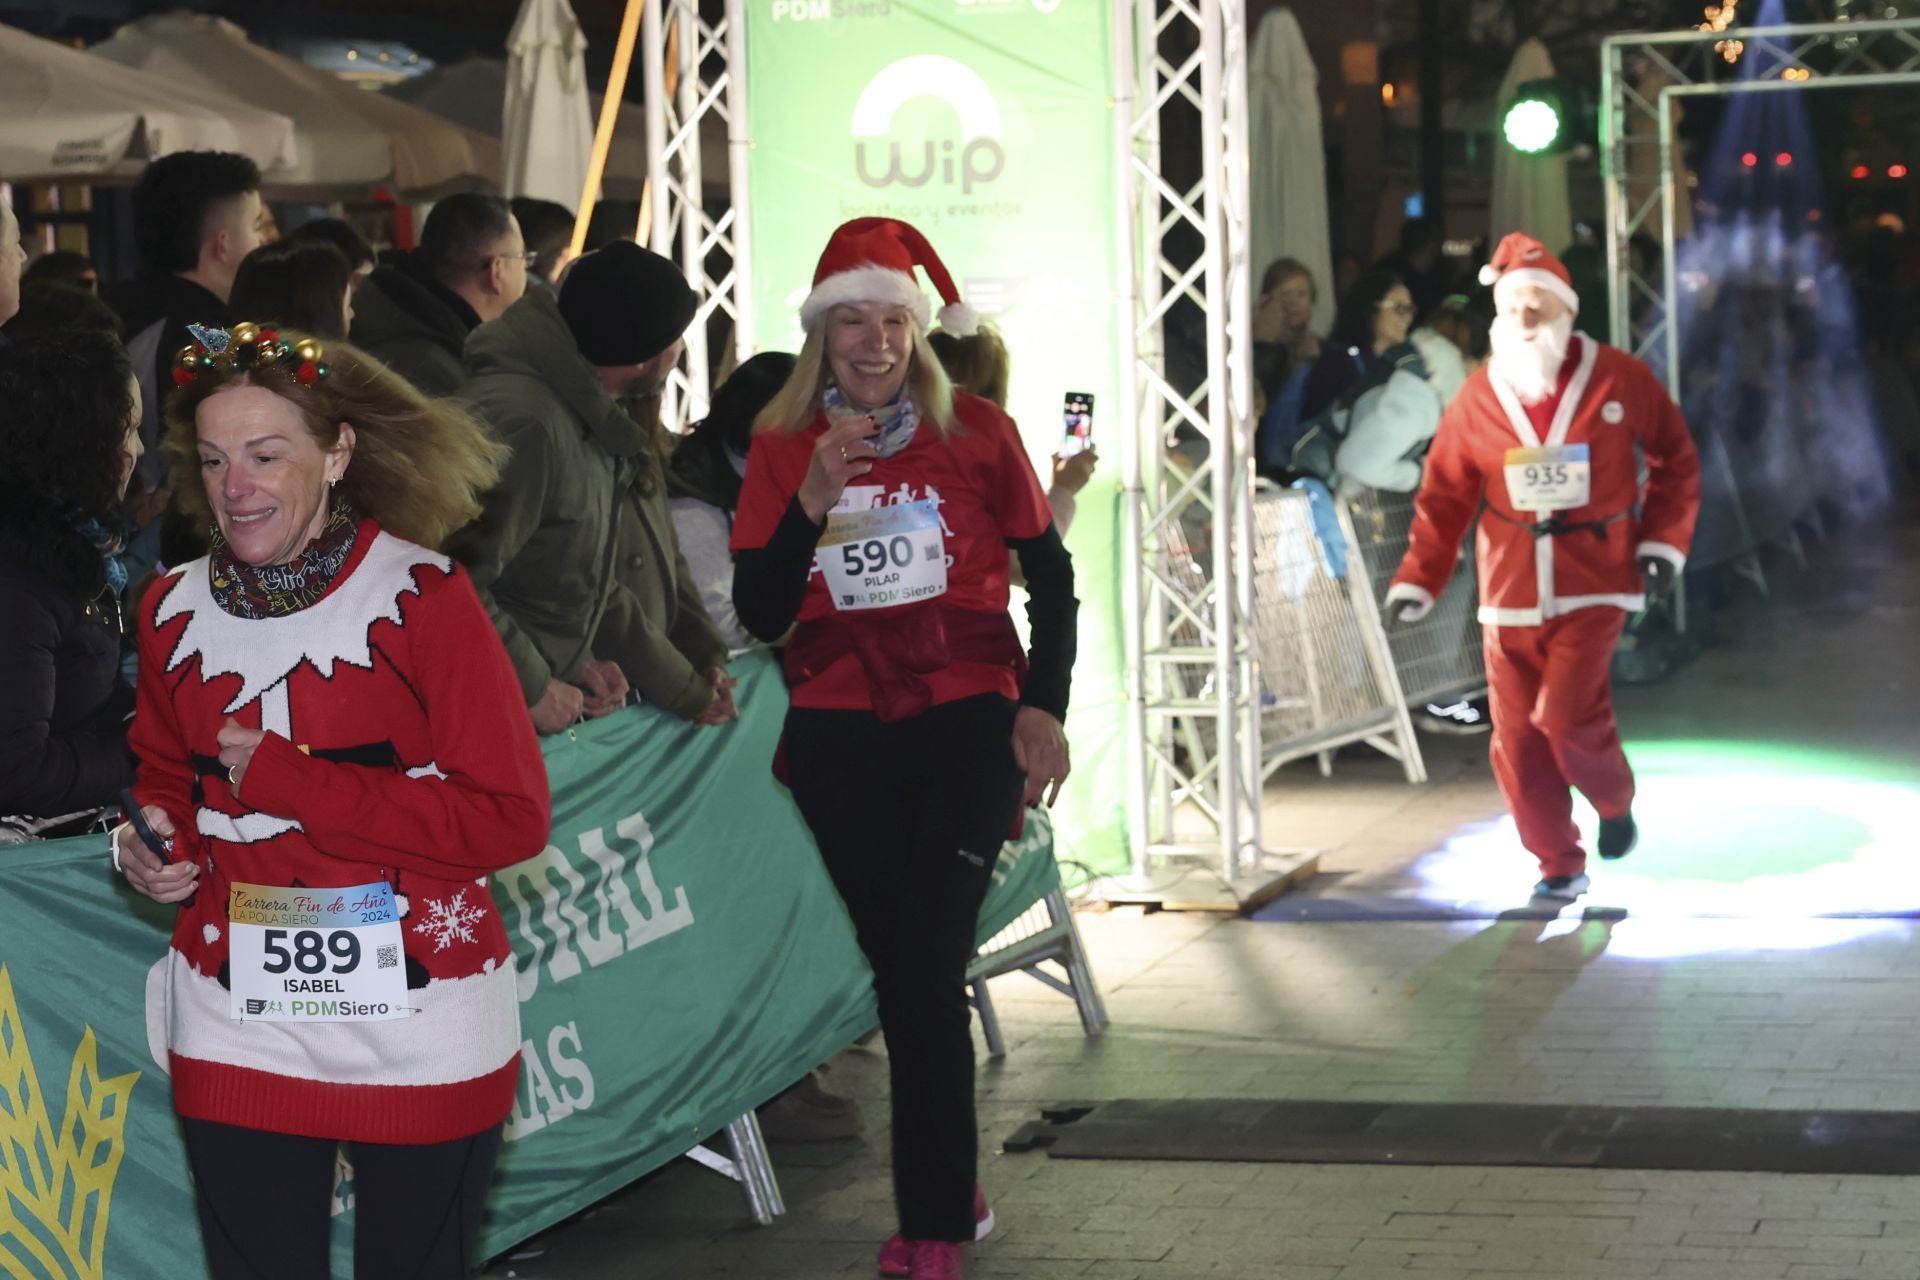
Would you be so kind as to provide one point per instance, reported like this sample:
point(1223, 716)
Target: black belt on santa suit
point(374, 755)
point(1554, 525)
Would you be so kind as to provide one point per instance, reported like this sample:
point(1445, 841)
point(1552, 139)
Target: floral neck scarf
point(897, 421)
point(277, 590)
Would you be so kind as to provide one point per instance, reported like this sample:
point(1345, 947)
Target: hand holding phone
point(150, 865)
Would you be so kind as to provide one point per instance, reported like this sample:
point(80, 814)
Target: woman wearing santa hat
point(1541, 444)
point(877, 512)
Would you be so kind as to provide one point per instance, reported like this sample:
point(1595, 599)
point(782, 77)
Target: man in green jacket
point(574, 552)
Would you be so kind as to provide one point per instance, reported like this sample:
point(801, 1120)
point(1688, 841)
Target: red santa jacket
point(397, 749)
point(1612, 402)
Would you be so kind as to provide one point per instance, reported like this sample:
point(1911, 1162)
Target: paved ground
point(1764, 1008)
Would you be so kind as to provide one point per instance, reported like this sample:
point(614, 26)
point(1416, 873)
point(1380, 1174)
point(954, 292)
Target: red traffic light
point(1896, 171)
point(1784, 159)
point(1749, 159)
point(1861, 171)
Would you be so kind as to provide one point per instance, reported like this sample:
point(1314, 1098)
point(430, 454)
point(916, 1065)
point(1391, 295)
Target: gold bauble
point(307, 349)
point(245, 331)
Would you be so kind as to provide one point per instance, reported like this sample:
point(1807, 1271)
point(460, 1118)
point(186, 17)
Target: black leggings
point(266, 1204)
point(910, 817)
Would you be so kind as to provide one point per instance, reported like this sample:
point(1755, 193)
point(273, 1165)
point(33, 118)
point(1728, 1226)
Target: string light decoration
point(1719, 18)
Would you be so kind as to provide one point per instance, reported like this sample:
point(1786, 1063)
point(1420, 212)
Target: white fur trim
point(462, 1028)
point(1665, 551)
point(866, 284)
point(959, 319)
point(1418, 596)
point(1552, 283)
point(1488, 274)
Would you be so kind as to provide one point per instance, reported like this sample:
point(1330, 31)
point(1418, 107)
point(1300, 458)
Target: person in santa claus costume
point(1541, 445)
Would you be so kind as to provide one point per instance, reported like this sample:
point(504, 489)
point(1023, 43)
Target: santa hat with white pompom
point(872, 260)
point(1521, 259)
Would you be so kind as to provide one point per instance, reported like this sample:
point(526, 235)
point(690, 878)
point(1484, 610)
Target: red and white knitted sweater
point(398, 748)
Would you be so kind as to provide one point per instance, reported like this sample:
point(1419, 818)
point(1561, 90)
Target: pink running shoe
point(935, 1260)
point(896, 1255)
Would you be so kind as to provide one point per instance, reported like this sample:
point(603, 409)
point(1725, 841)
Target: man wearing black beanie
point(574, 562)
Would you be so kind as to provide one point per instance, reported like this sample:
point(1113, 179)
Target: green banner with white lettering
point(682, 957)
point(989, 125)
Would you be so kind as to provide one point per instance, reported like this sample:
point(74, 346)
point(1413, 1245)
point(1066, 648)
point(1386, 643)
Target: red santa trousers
point(1553, 728)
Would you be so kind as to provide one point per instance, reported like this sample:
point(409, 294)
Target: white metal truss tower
point(1644, 78)
point(695, 79)
point(1193, 758)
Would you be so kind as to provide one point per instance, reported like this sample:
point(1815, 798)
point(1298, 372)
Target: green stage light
point(1531, 125)
point(1550, 116)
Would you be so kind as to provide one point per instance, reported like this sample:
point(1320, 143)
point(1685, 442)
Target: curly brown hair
point(419, 465)
point(67, 400)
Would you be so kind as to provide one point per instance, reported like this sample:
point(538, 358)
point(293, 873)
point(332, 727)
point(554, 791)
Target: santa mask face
point(1530, 336)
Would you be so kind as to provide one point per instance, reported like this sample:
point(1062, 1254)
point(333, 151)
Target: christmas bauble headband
point(248, 346)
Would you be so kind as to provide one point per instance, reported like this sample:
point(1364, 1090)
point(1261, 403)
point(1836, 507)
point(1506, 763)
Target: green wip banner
point(989, 125)
point(682, 957)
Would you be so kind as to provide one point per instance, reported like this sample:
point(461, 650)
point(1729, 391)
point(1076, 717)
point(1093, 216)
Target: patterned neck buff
point(276, 590)
point(897, 421)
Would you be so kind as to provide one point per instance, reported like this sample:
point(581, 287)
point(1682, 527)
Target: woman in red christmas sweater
point(334, 755)
point(877, 511)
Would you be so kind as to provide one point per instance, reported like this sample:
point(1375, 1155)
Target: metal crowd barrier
point(1327, 676)
point(1438, 659)
point(1045, 932)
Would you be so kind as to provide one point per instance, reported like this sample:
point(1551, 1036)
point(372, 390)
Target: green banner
point(989, 125)
point(682, 957)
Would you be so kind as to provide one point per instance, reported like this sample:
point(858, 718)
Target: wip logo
point(974, 158)
point(56, 1182)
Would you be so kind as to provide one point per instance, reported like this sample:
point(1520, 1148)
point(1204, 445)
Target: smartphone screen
point(1077, 412)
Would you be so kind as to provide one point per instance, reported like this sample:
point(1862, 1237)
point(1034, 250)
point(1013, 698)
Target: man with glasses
point(415, 314)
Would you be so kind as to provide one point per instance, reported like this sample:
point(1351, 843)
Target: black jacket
point(63, 705)
point(171, 303)
point(414, 325)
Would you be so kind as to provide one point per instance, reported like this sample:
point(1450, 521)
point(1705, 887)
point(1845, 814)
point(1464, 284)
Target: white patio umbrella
point(349, 139)
point(1289, 159)
point(65, 115)
point(546, 132)
point(1529, 192)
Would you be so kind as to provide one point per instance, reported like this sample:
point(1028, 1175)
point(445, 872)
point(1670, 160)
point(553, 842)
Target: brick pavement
point(1793, 1013)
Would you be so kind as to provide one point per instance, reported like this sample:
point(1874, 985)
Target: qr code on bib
point(388, 957)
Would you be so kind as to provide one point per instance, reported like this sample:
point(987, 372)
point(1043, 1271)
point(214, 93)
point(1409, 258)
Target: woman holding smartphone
point(877, 512)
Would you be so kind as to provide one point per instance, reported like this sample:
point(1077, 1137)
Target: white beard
point(1530, 362)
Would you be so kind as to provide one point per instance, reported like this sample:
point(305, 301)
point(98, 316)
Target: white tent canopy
point(473, 93)
point(1289, 163)
point(66, 115)
point(546, 133)
point(349, 139)
point(1529, 192)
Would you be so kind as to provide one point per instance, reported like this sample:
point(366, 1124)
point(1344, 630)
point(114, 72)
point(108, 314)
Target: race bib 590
point(884, 557)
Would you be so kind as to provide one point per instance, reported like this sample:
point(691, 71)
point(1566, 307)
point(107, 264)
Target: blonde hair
point(798, 402)
point(419, 465)
point(977, 362)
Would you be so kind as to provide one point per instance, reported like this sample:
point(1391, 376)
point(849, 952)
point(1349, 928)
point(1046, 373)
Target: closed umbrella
point(546, 133)
point(1289, 159)
point(349, 139)
point(1529, 192)
point(64, 114)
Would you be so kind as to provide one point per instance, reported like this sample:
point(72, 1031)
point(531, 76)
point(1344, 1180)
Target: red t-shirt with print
point(985, 490)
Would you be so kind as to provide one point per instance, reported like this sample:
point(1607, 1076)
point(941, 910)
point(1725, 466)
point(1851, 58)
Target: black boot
point(1561, 888)
point(1618, 836)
